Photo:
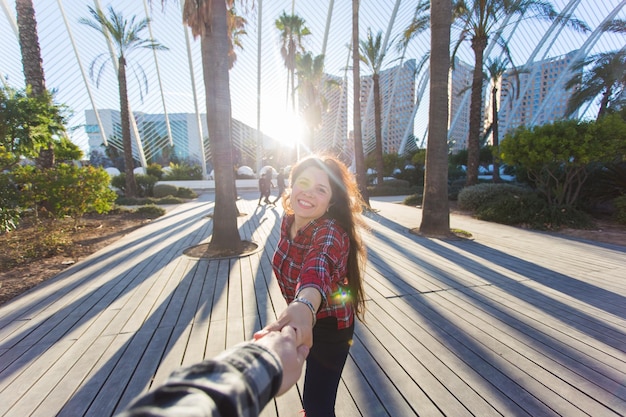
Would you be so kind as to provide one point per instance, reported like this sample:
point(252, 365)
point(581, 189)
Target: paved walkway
point(511, 323)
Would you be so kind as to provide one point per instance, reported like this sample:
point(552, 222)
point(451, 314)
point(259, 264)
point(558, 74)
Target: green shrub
point(395, 187)
point(169, 200)
point(187, 193)
point(10, 209)
point(620, 209)
point(155, 170)
point(456, 173)
point(143, 201)
point(183, 171)
point(556, 217)
point(162, 190)
point(65, 190)
point(129, 201)
point(145, 185)
point(471, 198)
point(150, 211)
point(135, 201)
point(454, 189)
point(119, 182)
point(529, 209)
point(516, 209)
point(413, 176)
point(413, 200)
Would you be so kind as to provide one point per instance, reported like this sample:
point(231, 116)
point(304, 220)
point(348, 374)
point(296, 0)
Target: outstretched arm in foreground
point(238, 382)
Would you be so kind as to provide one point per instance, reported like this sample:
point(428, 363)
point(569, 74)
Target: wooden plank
point(571, 348)
point(14, 397)
point(425, 362)
point(98, 377)
point(53, 399)
point(540, 374)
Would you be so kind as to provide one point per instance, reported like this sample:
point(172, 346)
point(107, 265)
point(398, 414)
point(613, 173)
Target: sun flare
point(281, 124)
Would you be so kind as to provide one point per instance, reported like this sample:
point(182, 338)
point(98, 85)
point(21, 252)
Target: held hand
point(292, 355)
point(296, 315)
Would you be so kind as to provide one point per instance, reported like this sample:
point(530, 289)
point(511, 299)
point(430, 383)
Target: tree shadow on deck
point(406, 259)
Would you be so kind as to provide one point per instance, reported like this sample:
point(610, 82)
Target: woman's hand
point(291, 355)
point(296, 315)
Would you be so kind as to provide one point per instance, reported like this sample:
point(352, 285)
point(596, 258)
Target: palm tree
point(495, 70)
point(292, 32)
point(32, 64)
point(359, 158)
point(372, 56)
point(126, 36)
point(209, 20)
point(478, 21)
point(419, 24)
point(236, 29)
point(436, 212)
point(310, 72)
point(606, 77)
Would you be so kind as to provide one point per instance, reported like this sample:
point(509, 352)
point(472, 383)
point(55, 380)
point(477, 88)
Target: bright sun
point(280, 123)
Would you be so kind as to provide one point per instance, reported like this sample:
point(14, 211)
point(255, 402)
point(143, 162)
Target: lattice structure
point(169, 115)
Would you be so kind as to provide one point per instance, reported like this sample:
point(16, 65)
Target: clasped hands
point(290, 338)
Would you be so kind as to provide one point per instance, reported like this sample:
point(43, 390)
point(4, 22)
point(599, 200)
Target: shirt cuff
point(259, 366)
point(317, 287)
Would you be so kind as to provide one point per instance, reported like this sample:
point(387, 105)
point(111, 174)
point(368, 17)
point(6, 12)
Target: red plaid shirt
point(318, 258)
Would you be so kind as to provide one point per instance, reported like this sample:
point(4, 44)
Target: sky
point(62, 66)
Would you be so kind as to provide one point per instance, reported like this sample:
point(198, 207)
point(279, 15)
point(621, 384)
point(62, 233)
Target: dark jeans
point(324, 366)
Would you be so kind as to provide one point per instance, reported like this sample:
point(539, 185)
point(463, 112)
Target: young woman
point(318, 263)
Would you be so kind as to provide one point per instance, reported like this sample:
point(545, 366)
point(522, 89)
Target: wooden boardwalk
point(511, 323)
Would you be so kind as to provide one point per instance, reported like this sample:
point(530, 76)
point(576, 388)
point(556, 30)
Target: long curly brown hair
point(345, 207)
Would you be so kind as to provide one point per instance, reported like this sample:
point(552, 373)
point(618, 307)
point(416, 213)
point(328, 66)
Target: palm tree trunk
point(129, 164)
point(359, 158)
point(435, 212)
point(29, 45)
point(378, 127)
point(496, 139)
point(293, 109)
point(215, 63)
point(604, 102)
point(476, 106)
point(33, 65)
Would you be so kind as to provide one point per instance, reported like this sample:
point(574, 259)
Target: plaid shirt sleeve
point(239, 382)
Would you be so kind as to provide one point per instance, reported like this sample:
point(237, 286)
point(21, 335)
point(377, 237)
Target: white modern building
point(542, 96)
point(397, 92)
point(186, 131)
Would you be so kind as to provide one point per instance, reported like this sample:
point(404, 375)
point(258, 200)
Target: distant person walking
point(280, 184)
point(265, 186)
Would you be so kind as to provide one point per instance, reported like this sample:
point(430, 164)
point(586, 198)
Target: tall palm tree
point(126, 36)
point(436, 211)
point(208, 20)
point(32, 64)
point(495, 70)
point(310, 73)
point(359, 158)
point(606, 77)
point(292, 32)
point(478, 21)
point(372, 55)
